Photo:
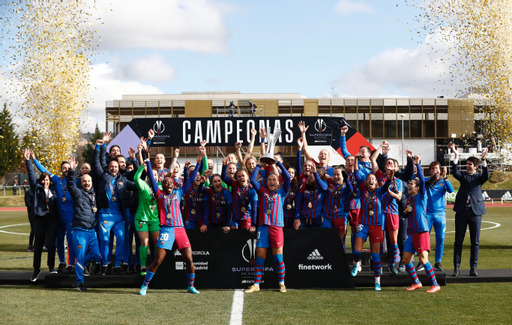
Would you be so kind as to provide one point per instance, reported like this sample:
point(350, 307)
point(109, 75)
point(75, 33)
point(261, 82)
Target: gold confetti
point(479, 39)
point(51, 46)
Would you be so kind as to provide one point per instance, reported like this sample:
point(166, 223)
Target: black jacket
point(40, 207)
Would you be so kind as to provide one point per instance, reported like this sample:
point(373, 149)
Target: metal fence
point(13, 190)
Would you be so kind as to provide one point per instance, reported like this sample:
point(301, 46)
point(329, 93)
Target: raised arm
point(298, 159)
point(32, 179)
point(455, 163)
point(192, 178)
point(321, 183)
point(154, 185)
point(419, 174)
point(223, 174)
point(343, 142)
point(286, 177)
point(238, 153)
point(485, 170)
point(373, 158)
point(250, 147)
point(97, 170)
point(41, 168)
point(303, 128)
point(72, 188)
point(254, 178)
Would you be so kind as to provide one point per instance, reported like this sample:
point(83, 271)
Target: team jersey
point(436, 195)
point(161, 174)
point(219, 204)
point(335, 198)
point(289, 205)
point(389, 203)
point(353, 202)
point(147, 207)
point(309, 201)
point(195, 201)
point(169, 211)
point(245, 199)
point(371, 207)
point(270, 203)
point(416, 208)
point(364, 167)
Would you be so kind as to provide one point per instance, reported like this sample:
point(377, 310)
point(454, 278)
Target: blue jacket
point(83, 204)
point(470, 185)
point(40, 207)
point(104, 180)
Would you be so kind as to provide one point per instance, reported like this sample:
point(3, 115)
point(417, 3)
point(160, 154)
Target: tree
point(10, 154)
point(87, 153)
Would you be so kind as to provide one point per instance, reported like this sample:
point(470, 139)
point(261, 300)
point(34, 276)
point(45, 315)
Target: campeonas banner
point(178, 132)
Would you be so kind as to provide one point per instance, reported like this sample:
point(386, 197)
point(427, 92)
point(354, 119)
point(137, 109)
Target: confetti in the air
point(478, 35)
point(50, 48)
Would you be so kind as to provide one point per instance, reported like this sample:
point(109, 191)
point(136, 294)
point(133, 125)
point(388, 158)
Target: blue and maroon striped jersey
point(310, 202)
point(169, 211)
point(270, 210)
point(194, 205)
point(335, 198)
point(219, 206)
point(353, 201)
point(371, 208)
point(245, 199)
point(389, 203)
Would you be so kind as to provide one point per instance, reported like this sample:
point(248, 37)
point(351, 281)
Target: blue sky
point(361, 48)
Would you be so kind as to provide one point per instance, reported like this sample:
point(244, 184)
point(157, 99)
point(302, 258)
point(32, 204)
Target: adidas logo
point(315, 255)
point(506, 196)
point(486, 196)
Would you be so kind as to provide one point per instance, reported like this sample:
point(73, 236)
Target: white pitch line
point(495, 225)
point(237, 308)
point(14, 233)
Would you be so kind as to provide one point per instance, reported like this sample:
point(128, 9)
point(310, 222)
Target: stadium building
point(424, 125)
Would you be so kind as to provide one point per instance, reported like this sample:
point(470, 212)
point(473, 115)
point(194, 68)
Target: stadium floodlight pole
point(402, 116)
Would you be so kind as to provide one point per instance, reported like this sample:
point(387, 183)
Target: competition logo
point(159, 127)
point(320, 125)
point(249, 251)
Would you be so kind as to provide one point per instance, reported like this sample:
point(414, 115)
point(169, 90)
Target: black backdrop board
point(177, 132)
point(313, 259)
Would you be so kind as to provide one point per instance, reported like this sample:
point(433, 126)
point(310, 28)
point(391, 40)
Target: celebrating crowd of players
point(133, 198)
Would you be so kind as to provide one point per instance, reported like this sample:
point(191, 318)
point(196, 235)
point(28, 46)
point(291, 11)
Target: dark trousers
point(31, 219)
point(46, 228)
point(464, 219)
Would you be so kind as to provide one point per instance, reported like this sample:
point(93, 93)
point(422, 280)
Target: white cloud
point(151, 68)
point(163, 24)
point(349, 7)
point(417, 72)
point(107, 87)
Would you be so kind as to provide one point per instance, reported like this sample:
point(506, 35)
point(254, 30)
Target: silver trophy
point(268, 158)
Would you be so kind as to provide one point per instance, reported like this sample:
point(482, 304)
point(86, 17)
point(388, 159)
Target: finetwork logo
point(315, 255)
